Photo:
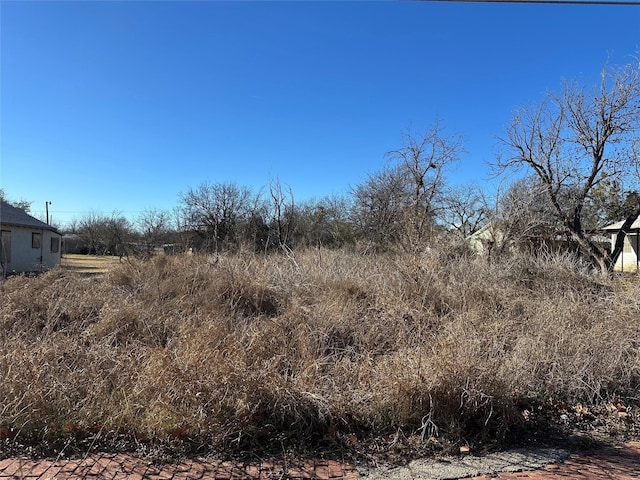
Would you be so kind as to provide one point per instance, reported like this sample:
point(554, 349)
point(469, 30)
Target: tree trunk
point(619, 245)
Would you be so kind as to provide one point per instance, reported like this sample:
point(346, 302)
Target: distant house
point(497, 237)
point(26, 243)
point(628, 259)
point(486, 239)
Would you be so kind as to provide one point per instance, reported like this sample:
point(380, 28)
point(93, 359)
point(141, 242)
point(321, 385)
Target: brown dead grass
point(324, 346)
point(88, 264)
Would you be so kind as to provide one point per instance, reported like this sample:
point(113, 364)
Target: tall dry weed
point(242, 351)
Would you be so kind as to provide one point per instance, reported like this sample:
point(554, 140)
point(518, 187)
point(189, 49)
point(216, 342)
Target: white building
point(628, 259)
point(26, 243)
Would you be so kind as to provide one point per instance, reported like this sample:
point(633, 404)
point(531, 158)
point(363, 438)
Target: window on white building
point(36, 240)
point(55, 244)
point(5, 247)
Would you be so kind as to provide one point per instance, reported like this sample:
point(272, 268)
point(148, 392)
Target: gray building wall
point(25, 253)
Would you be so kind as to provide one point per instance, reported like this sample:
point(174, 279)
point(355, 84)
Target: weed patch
point(329, 348)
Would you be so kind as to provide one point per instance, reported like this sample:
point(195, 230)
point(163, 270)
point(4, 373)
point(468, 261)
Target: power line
point(547, 2)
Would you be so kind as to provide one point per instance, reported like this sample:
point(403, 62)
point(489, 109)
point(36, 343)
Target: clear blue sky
point(124, 105)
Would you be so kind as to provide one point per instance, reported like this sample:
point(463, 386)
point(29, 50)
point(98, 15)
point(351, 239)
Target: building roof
point(618, 225)
point(10, 215)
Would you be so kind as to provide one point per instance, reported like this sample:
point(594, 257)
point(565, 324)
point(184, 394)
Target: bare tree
point(282, 209)
point(215, 212)
point(422, 161)
point(399, 203)
point(90, 229)
point(522, 217)
point(465, 209)
point(153, 227)
point(100, 234)
point(331, 221)
point(377, 211)
point(118, 234)
point(575, 140)
point(254, 231)
point(183, 236)
point(22, 204)
point(324, 222)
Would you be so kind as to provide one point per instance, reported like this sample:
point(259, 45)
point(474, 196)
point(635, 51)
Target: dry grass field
point(88, 264)
point(322, 347)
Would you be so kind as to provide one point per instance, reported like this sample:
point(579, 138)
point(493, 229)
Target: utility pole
point(46, 207)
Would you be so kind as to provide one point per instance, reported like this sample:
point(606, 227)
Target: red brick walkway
point(122, 467)
point(605, 464)
point(611, 464)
